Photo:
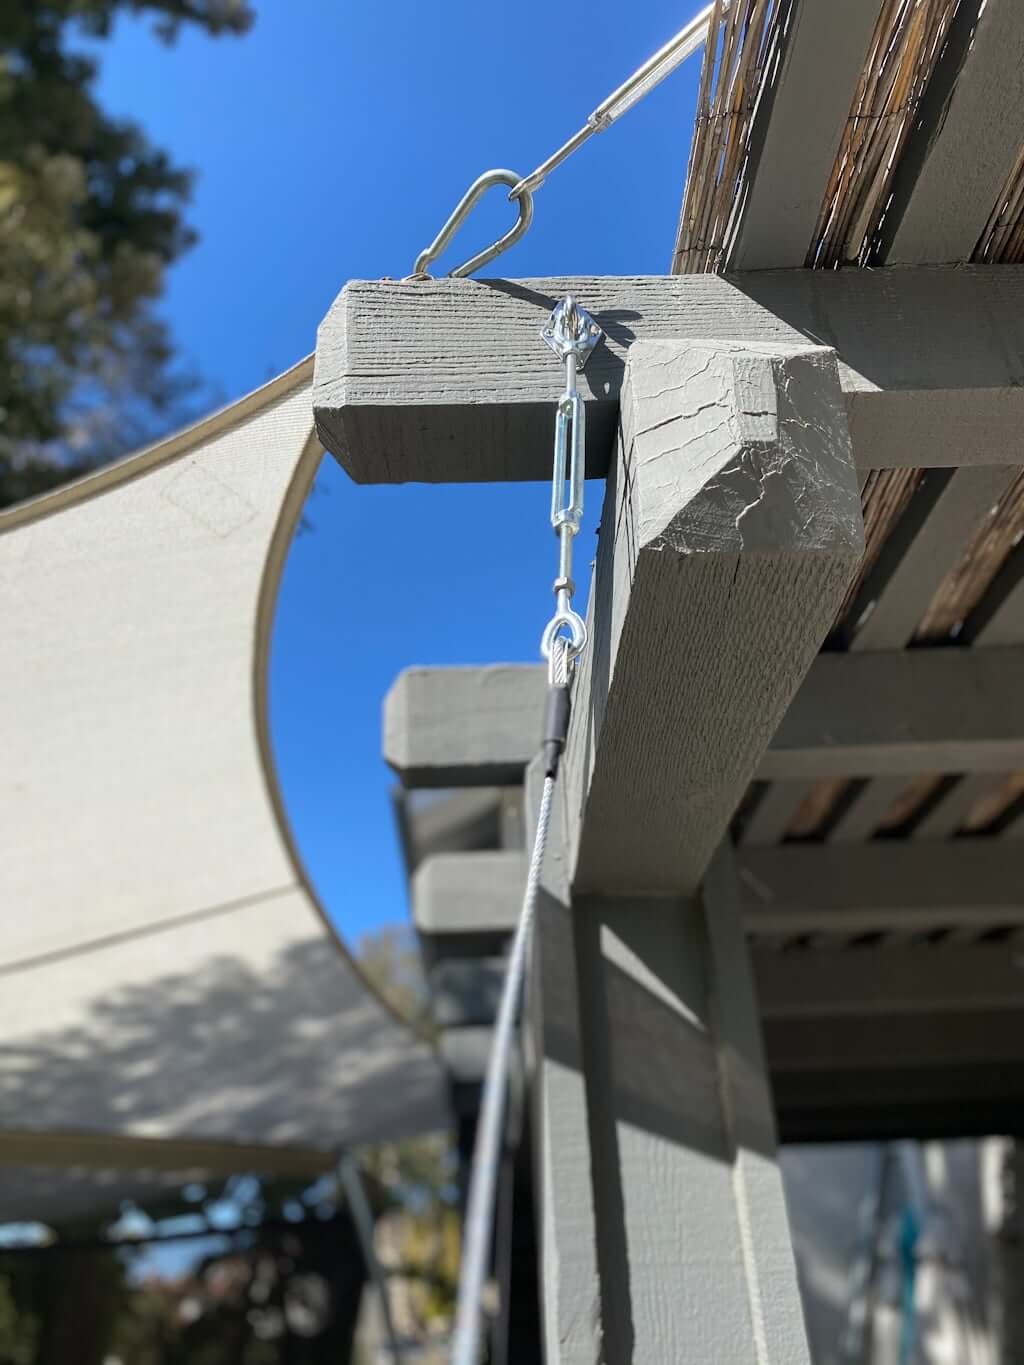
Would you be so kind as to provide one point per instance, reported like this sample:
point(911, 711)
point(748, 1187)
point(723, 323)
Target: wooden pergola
point(786, 881)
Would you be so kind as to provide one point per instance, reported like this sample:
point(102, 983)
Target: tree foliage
point(91, 216)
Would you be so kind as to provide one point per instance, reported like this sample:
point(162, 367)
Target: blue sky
point(330, 143)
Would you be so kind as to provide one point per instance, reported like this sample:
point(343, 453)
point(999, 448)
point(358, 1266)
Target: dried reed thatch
point(905, 47)
point(742, 39)
point(1003, 238)
point(987, 814)
point(911, 800)
point(814, 812)
point(968, 580)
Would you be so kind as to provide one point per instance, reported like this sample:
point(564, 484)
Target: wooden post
point(731, 529)
point(664, 1227)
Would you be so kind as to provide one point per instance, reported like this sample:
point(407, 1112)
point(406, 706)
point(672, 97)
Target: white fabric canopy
point(165, 970)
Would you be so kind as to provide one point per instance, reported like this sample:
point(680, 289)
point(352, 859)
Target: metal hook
point(478, 188)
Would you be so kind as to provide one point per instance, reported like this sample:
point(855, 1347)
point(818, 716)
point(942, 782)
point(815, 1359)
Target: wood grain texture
point(796, 132)
point(966, 143)
point(847, 890)
point(448, 381)
point(731, 527)
point(694, 1253)
point(770, 1270)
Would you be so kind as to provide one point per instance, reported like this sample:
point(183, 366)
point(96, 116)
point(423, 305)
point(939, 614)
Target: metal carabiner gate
point(479, 187)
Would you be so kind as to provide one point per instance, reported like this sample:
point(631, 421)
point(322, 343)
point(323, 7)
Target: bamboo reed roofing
point(896, 95)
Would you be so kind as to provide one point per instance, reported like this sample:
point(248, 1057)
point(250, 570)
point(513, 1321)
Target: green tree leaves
point(91, 216)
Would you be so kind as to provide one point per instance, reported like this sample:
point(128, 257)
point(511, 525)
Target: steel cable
point(483, 1179)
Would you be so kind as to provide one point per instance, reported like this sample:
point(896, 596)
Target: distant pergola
point(786, 878)
point(176, 1003)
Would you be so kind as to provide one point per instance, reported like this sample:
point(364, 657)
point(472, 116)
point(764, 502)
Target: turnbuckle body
point(572, 334)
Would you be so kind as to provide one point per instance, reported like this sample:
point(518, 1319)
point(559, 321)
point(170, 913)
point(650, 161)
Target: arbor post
point(730, 532)
point(731, 529)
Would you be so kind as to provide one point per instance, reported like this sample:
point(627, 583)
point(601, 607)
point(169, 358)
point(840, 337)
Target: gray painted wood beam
point(964, 506)
point(652, 1114)
point(888, 981)
point(694, 1253)
point(730, 531)
point(482, 715)
point(454, 894)
point(879, 1042)
point(448, 381)
point(897, 713)
point(797, 129)
point(746, 1099)
point(969, 134)
point(904, 712)
point(915, 1101)
point(885, 885)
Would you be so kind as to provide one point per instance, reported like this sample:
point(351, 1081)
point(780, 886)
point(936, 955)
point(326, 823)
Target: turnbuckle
point(572, 334)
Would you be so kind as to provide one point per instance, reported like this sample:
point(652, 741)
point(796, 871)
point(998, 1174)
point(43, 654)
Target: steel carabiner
point(479, 187)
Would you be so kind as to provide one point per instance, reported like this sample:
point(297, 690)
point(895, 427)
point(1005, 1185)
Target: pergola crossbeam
point(888, 982)
point(448, 381)
point(848, 889)
point(891, 713)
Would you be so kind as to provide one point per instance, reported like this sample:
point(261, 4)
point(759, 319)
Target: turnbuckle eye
point(568, 625)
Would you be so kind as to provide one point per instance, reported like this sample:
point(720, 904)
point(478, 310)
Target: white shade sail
point(165, 970)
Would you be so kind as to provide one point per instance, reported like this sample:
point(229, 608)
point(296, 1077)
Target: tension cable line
point(521, 188)
point(572, 334)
